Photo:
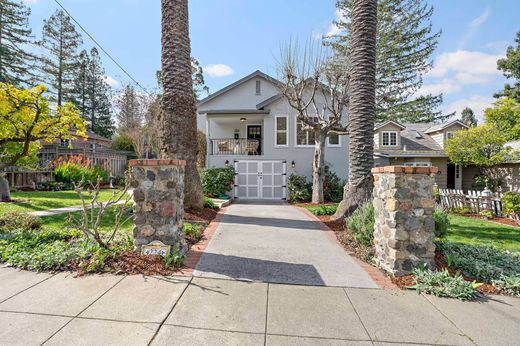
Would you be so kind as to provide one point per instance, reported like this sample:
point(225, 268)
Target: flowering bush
point(75, 168)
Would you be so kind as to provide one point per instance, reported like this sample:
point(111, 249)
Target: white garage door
point(260, 179)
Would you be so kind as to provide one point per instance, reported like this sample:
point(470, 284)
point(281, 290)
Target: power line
point(101, 47)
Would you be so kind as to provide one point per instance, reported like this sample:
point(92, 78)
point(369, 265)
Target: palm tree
point(178, 117)
point(361, 106)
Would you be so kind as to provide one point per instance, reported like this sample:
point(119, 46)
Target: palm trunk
point(318, 168)
point(178, 108)
point(361, 106)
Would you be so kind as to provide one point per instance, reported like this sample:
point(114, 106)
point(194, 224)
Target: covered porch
point(236, 132)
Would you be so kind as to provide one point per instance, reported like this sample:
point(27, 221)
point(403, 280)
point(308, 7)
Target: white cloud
point(218, 70)
point(474, 25)
point(478, 103)
point(454, 70)
point(340, 16)
point(111, 81)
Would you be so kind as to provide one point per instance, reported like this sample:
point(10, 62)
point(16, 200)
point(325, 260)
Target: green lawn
point(43, 200)
point(472, 231)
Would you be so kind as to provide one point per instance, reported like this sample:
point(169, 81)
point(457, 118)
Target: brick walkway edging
point(375, 274)
point(196, 251)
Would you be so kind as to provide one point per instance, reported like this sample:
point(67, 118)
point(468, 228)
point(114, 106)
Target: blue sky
point(232, 38)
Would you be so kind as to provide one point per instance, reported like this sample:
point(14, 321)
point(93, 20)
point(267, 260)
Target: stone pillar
point(158, 191)
point(404, 229)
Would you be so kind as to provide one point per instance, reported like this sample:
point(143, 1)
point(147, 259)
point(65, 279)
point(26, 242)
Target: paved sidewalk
point(278, 243)
point(38, 309)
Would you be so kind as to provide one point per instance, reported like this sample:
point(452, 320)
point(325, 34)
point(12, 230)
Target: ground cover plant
point(322, 209)
point(442, 284)
point(485, 263)
point(43, 200)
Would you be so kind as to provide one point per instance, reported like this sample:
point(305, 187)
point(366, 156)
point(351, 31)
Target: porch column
point(404, 229)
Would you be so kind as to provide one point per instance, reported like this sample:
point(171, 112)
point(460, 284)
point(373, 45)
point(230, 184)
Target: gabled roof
point(255, 74)
point(378, 126)
point(441, 127)
point(269, 101)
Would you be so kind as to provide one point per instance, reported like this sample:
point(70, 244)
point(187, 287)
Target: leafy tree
point(98, 106)
point(482, 146)
point(197, 75)
point(122, 142)
point(362, 106)
point(25, 119)
point(178, 130)
point(405, 43)
point(81, 83)
point(60, 65)
point(129, 115)
point(505, 117)
point(16, 64)
point(468, 117)
point(510, 67)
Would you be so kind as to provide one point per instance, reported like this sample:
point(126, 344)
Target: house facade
point(250, 126)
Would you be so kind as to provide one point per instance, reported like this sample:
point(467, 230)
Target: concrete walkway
point(59, 309)
point(278, 243)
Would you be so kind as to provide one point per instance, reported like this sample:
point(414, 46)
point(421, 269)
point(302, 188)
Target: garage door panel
point(260, 179)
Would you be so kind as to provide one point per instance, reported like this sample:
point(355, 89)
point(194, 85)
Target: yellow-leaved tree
point(26, 118)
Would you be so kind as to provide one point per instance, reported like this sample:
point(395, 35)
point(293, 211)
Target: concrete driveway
point(277, 243)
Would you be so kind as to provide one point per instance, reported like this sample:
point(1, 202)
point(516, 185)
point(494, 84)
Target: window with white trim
point(333, 140)
point(281, 131)
point(449, 135)
point(258, 87)
point(304, 138)
point(390, 138)
point(418, 164)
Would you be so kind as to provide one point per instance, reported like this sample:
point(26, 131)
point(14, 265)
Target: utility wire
point(101, 47)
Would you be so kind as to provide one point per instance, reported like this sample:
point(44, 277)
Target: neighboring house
point(419, 145)
point(250, 126)
point(95, 148)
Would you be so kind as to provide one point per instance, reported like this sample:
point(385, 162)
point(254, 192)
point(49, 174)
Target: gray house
point(249, 125)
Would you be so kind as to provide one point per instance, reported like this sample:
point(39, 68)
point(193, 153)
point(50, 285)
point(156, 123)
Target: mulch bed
point(501, 220)
point(346, 238)
point(133, 263)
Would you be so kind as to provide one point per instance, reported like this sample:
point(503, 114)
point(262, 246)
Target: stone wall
point(158, 191)
point(404, 229)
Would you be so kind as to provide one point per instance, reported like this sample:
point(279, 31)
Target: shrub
point(441, 284)
point(76, 168)
point(323, 209)
point(299, 189)
point(208, 203)
point(19, 221)
point(485, 263)
point(203, 149)
point(511, 205)
point(361, 224)
point(481, 181)
point(487, 214)
point(333, 188)
point(122, 142)
point(442, 223)
point(193, 232)
point(217, 181)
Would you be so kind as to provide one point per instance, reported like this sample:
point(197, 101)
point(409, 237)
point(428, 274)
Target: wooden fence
point(474, 200)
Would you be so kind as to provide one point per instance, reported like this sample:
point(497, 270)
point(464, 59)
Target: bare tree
point(317, 89)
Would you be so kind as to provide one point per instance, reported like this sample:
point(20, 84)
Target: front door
point(260, 179)
point(254, 132)
point(454, 176)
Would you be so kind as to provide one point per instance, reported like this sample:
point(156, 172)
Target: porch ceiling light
point(243, 119)
point(293, 164)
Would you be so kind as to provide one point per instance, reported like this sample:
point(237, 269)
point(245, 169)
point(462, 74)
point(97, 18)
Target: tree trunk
point(361, 107)
point(318, 168)
point(178, 109)
point(5, 194)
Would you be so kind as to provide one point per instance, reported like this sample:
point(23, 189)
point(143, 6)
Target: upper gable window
point(390, 138)
point(258, 88)
point(449, 135)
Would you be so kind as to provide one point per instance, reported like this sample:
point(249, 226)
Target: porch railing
point(232, 146)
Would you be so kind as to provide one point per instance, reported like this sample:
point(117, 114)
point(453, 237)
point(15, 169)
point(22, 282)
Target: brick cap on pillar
point(405, 170)
point(156, 162)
